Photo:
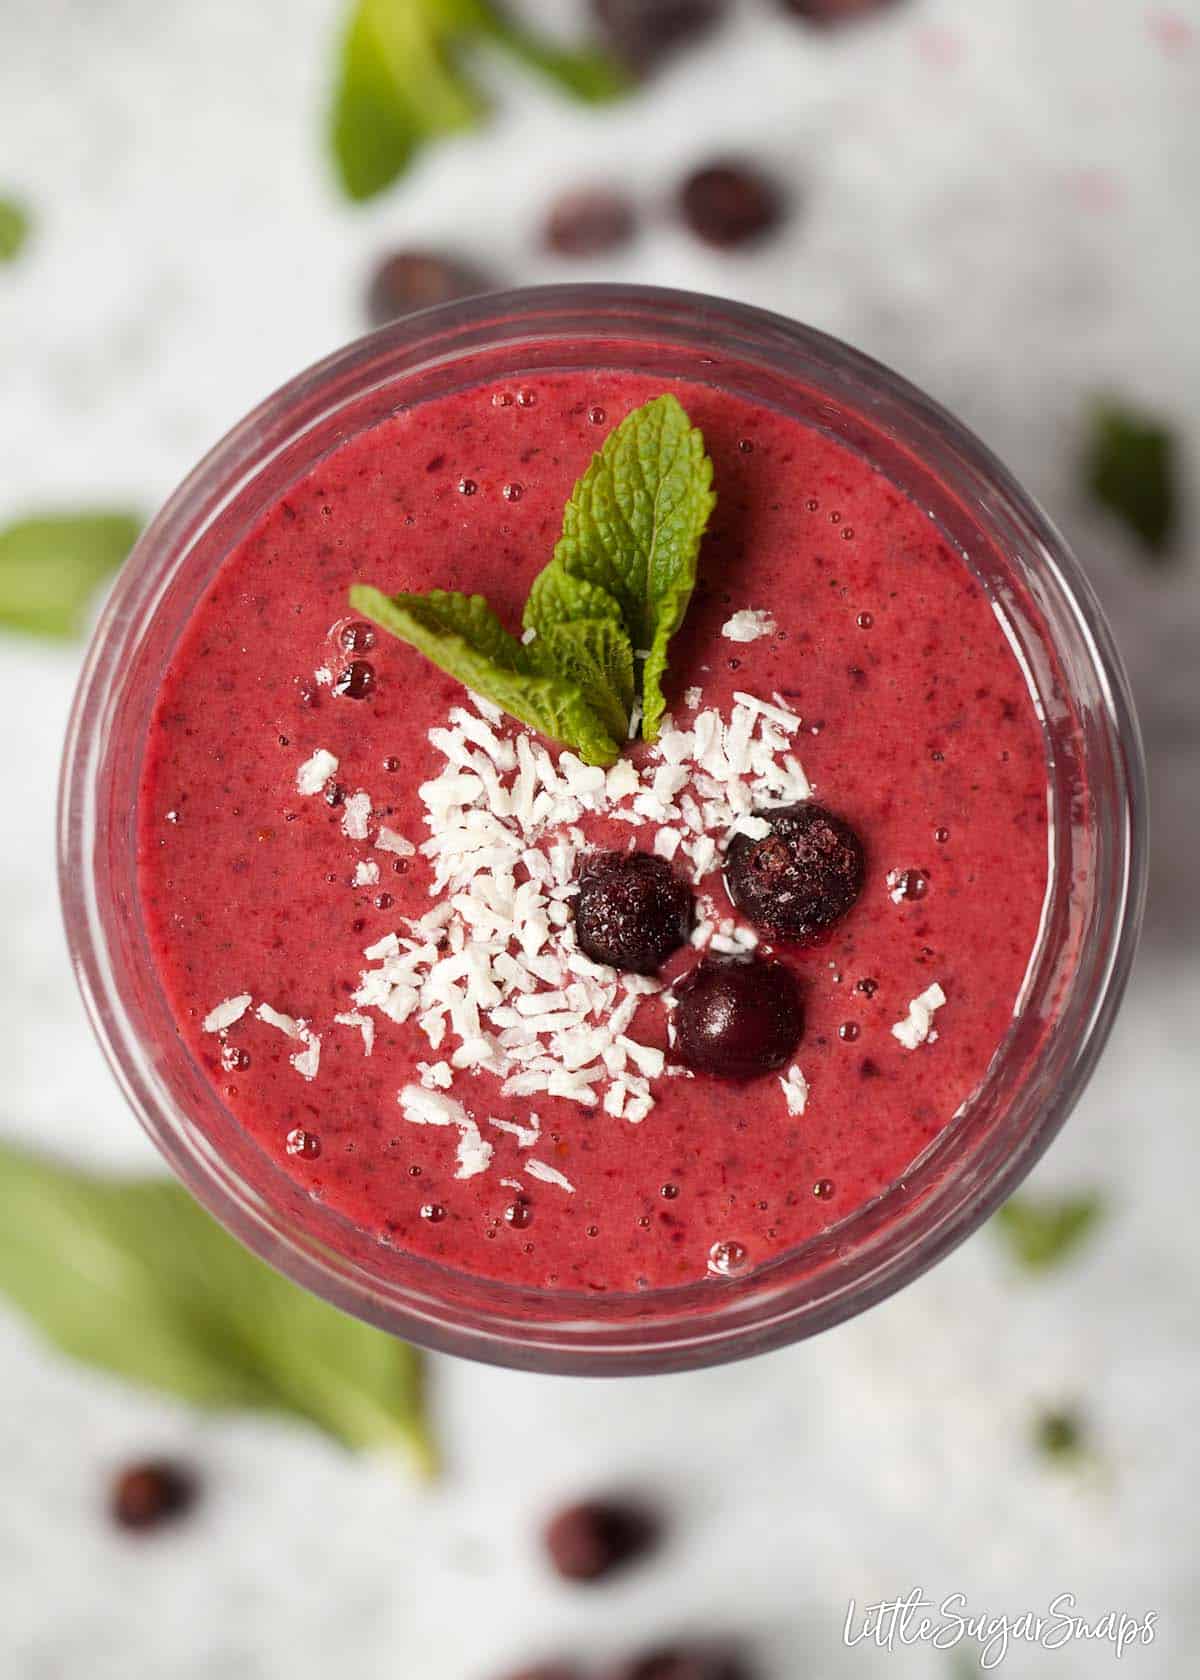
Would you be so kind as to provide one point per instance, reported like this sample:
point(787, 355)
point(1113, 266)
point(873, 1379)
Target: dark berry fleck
point(632, 911)
point(356, 681)
point(799, 879)
point(645, 32)
point(596, 1537)
point(589, 223)
point(730, 203)
point(686, 1662)
point(410, 280)
point(832, 12)
point(738, 1017)
point(145, 1495)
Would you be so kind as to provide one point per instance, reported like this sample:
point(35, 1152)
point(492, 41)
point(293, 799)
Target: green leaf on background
point(134, 1277)
point(1043, 1231)
point(51, 565)
point(463, 637)
point(1060, 1436)
point(633, 527)
point(1130, 468)
point(14, 229)
point(400, 84)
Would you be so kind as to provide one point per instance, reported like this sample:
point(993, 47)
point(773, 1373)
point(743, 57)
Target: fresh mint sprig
point(132, 1276)
point(400, 82)
point(618, 586)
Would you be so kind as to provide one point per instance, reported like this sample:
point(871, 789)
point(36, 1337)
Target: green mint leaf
point(633, 527)
point(596, 654)
point(51, 565)
point(134, 1277)
point(579, 633)
point(587, 75)
point(1059, 1435)
point(463, 637)
point(1042, 1232)
point(14, 229)
point(399, 82)
point(1129, 466)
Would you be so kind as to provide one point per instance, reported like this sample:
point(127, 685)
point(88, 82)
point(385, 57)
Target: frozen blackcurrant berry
point(145, 1495)
point(632, 910)
point(830, 12)
point(589, 223)
point(800, 878)
point(592, 1539)
point(645, 32)
point(686, 1662)
point(410, 280)
point(737, 1017)
point(729, 203)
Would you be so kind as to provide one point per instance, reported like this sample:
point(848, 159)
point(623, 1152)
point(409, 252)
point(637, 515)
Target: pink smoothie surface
point(916, 726)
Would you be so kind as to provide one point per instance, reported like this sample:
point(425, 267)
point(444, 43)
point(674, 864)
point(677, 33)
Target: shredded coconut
point(748, 625)
point(366, 873)
point(315, 772)
point(548, 1175)
point(356, 816)
point(795, 1090)
point(225, 1014)
point(387, 840)
point(917, 1024)
point(285, 1023)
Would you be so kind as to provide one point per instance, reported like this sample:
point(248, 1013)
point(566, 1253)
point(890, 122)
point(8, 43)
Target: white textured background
point(1000, 199)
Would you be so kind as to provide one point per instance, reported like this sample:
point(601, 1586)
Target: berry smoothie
point(367, 892)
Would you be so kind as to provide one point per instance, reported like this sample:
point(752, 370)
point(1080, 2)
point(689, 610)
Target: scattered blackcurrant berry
point(596, 1537)
point(737, 1017)
point(829, 13)
point(409, 280)
point(147, 1495)
point(728, 203)
point(632, 910)
point(589, 223)
point(799, 879)
point(645, 32)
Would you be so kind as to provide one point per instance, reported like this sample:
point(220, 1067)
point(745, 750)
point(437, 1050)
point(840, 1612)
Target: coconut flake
point(548, 1175)
point(366, 873)
point(284, 1023)
point(795, 1090)
point(315, 772)
point(356, 816)
point(226, 1013)
point(917, 1024)
point(748, 625)
point(387, 840)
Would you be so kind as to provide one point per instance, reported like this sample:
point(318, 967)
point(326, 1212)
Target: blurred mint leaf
point(134, 1277)
point(400, 82)
point(14, 229)
point(632, 528)
point(462, 636)
point(51, 565)
point(1060, 1435)
point(1043, 1231)
point(1129, 466)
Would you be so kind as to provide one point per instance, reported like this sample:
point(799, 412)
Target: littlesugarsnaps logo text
point(917, 1620)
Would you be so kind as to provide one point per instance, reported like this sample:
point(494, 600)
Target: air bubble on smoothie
point(502, 399)
point(864, 619)
point(305, 1144)
point(356, 681)
point(467, 487)
point(356, 637)
point(823, 1189)
point(526, 398)
point(597, 415)
point(728, 1259)
point(513, 492)
point(433, 1212)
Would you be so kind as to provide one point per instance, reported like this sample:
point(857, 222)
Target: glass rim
point(772, 1306)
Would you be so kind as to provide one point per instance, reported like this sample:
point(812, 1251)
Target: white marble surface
point(999, 199)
